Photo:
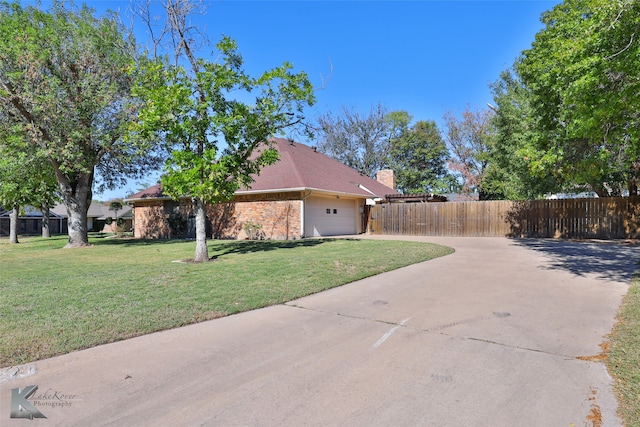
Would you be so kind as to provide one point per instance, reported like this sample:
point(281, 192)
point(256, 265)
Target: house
point(99, 214)
point(30, 219)
point(304, 194)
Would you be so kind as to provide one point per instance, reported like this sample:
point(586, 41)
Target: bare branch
point(324, 80)
point(622, 51)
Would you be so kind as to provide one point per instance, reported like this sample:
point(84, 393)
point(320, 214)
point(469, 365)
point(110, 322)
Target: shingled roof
point(301, 168)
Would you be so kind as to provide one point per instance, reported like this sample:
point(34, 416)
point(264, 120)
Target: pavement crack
point(349, 316)
point(535, 350)
point(439, 330)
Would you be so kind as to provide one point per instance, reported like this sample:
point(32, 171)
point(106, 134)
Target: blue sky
point(425, 57)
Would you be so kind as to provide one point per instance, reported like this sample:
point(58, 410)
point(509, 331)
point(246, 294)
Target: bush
point(253, 230)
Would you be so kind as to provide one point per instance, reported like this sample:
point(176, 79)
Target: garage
point(329, 216)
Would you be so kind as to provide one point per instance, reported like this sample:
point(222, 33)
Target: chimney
point(387, 177)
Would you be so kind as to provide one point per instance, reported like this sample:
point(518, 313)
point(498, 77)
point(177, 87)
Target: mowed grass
point(54, 300)
point(623, 356)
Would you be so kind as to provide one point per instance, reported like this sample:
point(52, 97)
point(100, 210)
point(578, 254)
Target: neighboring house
point(304, 194)
point(30, 222)
point(97, 216)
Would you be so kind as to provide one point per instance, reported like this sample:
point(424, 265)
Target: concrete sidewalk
point(500, 333)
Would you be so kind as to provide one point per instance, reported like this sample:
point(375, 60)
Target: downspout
point(302, 211)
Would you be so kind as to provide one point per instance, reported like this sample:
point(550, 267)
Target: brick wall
point(278, 220)
point(150, 220)
point(278, 217)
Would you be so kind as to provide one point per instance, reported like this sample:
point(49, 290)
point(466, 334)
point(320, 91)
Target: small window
point(335, 211)
point(329, 211)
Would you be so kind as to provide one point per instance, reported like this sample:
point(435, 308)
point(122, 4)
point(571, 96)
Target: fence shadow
point(614, 261)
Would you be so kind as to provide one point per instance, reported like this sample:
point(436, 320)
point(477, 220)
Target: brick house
point(304, 194)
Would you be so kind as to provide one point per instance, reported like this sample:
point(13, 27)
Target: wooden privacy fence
point(603, 218)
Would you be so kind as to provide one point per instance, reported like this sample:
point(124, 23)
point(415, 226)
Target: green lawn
point(623, 356)
point(55, 300)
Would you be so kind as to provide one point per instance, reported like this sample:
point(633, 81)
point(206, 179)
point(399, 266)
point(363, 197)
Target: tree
point(13, 192)
point(194, 105)
point(358, 141)
point(64, 79)
point(514, 174)
point(419, 155)
point(25, 178)
point(23, 182)
point(582, 72)
point(115, 206)
point(469, 140)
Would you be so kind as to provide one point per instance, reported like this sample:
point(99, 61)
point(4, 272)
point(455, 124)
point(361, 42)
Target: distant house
point(98, 215)
point(30, 221)
point(304, 194)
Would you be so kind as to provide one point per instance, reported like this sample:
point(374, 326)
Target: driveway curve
point(502, 332)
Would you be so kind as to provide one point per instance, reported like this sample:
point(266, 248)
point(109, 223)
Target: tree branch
point(622, 51)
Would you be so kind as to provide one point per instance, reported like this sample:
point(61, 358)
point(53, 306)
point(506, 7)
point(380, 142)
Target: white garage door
point(328, 216)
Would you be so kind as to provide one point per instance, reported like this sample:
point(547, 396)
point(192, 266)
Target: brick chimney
point(387, 177)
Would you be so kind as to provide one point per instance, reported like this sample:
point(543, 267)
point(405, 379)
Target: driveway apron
point(500, 333)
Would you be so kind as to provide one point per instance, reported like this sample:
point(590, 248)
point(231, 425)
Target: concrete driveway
point(501, 333)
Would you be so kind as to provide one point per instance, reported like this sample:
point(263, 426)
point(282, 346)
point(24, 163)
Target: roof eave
point(275, 190)
point(147, 199)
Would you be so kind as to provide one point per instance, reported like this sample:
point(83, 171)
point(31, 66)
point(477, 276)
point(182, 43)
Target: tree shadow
point(613, 261)
point(222, 248)
point(113, 241)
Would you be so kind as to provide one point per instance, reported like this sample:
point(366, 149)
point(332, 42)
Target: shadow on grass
point(247, 246)
point(221, 247)
point(615, 261)
point(113, 241)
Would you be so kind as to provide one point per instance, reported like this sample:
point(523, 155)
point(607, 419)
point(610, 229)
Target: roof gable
point(301, 166)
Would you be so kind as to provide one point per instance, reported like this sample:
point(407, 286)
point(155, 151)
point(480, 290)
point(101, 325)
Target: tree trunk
point(76, 196)
point(202, 253)
point(600, 190)
point(633, 186)
point(46, 233)
point(13, 225)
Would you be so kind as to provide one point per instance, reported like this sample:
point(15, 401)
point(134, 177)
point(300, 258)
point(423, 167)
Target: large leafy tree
point(64, 79)
point(469, 139)
point(198, 107)
point(582, 72)
point(360, 141)
point(419, 157)
point(514, 173)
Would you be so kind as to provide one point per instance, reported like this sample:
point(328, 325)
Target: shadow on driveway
point(615, 261)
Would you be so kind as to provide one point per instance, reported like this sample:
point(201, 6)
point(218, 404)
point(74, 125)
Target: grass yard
point(623, 356)
point(54, 301)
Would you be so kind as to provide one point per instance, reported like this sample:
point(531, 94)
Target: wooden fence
point(603, 218)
